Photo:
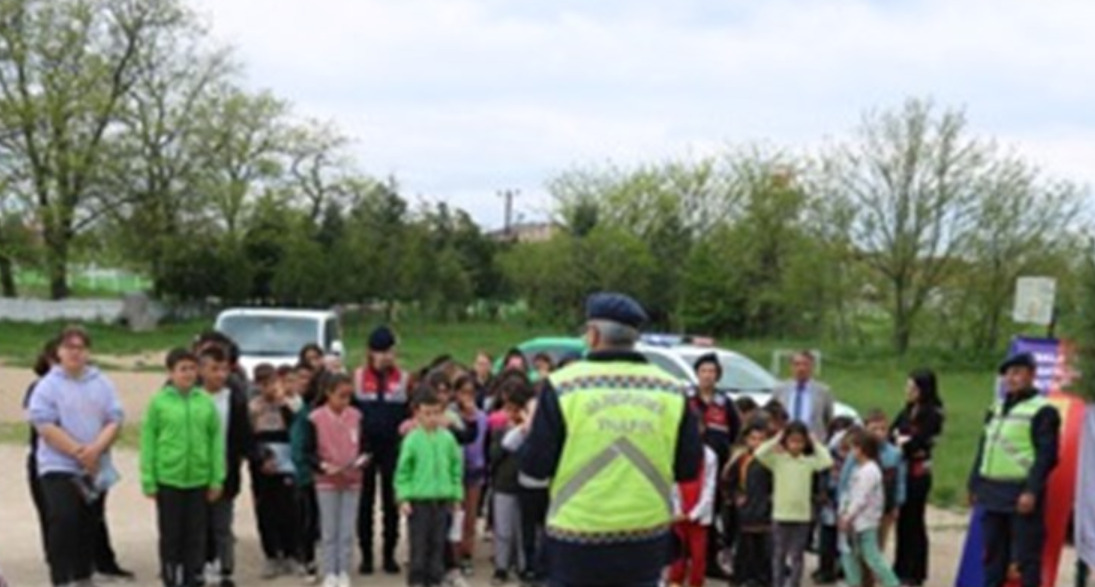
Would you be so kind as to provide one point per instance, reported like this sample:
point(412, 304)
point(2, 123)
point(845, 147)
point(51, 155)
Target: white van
point(276, 335)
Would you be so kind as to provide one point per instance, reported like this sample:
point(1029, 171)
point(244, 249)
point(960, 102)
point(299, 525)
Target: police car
point(676, 354)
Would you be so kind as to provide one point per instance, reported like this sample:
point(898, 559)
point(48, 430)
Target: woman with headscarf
point(915, 431)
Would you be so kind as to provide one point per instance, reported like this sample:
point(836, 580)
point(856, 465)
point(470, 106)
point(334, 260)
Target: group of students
point(446, 443)
point(782, 486)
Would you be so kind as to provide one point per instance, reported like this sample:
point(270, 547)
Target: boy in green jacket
point(429, 484)
point(182, 468)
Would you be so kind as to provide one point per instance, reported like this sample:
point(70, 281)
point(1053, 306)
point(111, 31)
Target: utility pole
point(508, 196)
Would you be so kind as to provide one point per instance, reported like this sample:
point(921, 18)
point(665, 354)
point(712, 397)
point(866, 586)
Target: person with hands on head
point(429, 483)
point(794, 457)
point(1018, 451)
point(77, 414)
point(182, 466)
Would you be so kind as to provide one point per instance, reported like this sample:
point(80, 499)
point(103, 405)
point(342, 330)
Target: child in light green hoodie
point(429, 483)
point(182, 468)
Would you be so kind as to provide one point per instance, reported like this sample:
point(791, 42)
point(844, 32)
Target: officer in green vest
point(1017, 453)
point(612, 433)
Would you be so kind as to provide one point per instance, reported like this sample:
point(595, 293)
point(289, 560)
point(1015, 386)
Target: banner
point(1053, 375)
point(1085, 503)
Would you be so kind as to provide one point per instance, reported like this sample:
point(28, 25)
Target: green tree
point(66, 69)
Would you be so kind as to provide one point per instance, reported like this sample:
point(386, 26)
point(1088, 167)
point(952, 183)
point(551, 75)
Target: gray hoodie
point(81, 406)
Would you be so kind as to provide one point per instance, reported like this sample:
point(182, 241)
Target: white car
point(276, 335)
point(740, 375)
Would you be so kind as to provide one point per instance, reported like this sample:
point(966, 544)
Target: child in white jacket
point(694, 505)
point(861, 514)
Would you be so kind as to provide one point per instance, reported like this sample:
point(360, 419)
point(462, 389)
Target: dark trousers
point(429, 523)
point(220, 543)
point(534, 509)
point(382, 465)
point(276, 509)
point(308, 510)
point(911, 561)
point(724, 541)
point(182, 517)
point(39, 498)
point(752, 559)
point(828, 554)
point(1013, 538)
point(70, 522)
point(103, 559)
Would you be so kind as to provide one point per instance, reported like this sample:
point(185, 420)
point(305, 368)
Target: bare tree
point(913, 178)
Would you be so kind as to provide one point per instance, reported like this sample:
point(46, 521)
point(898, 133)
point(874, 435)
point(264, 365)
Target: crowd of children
point(306, 439)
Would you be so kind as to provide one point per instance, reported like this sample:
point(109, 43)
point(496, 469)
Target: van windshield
point(270, 336)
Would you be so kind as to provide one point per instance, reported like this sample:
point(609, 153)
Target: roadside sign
point(1034, 298)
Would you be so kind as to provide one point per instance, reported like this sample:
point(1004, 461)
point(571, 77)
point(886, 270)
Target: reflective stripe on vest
point(615, 475)
point(1009, 449)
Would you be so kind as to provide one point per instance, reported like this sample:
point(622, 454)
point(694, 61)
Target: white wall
point(83, 310)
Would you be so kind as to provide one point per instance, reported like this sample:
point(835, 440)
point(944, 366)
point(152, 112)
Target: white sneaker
point(344, 580)
point(330, 581)
point(455, 579)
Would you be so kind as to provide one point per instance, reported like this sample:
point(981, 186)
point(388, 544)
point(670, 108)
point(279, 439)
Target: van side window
point(330, 333)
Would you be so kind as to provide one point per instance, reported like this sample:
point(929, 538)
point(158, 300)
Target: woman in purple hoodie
point(76, 411)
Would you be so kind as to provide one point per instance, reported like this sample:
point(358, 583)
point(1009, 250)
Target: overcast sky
point(461, 98)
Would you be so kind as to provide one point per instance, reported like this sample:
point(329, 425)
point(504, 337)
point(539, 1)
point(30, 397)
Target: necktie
point(800, 416)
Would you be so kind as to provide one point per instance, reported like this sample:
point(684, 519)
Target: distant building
point(526, 232)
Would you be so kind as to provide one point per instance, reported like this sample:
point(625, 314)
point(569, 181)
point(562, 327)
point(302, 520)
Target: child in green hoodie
point(182, 468)
point(429, 483)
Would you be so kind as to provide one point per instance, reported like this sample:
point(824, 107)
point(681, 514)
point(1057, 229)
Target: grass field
point(865, 383)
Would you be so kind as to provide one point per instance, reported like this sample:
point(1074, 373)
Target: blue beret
point(382, 339)
point(615, 307)
point(1021, 360)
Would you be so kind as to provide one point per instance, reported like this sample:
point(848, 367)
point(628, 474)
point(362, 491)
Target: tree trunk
point(57, 261)
point(7, 278)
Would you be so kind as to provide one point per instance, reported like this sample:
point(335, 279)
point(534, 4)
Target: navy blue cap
point(1021, 360)
point(382, 339)
point(615, 307)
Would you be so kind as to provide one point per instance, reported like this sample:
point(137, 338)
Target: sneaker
point(330, 581)
point(500, 578)
point(391, 567)
point(344, 580)
point(271, 569)
point(467, 567)
point(311, 573)
point(366, 567)
point(455, 579)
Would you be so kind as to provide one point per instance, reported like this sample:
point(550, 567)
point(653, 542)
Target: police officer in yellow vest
point(1017, 453)
point(613, 434)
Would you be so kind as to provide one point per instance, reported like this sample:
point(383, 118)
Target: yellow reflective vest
point(615, 475)
point(1009, 449)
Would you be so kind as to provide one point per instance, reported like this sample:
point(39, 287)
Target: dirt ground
point(132, 517)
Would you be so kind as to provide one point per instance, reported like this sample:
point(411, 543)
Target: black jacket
point(755, 511)
point(1002, 496)
point(922, 424)
point(241, 443)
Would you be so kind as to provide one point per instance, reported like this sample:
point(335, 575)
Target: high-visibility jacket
point(1009, 448)
point(615, 474)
